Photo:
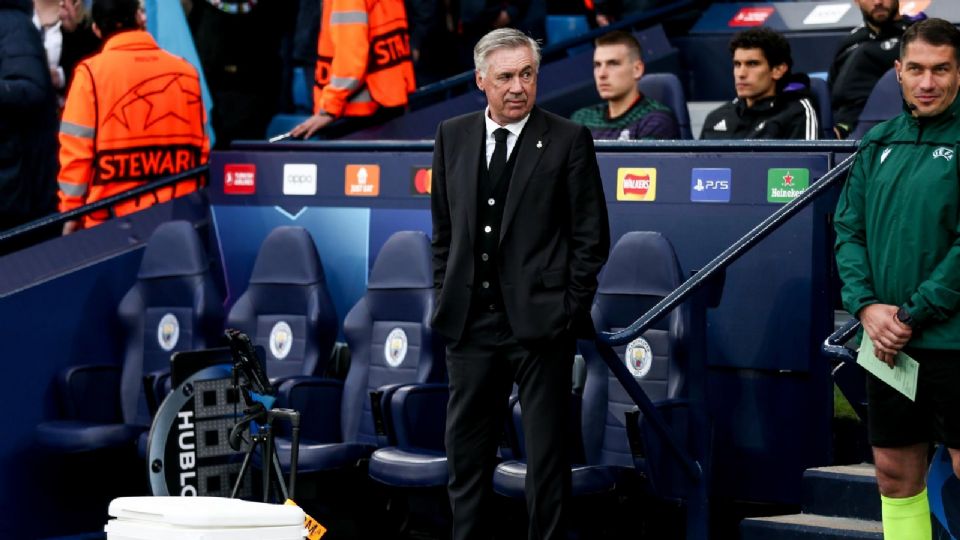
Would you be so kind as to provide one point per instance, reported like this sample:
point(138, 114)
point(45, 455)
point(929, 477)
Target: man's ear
point(479, 79)
point(779, 71)
point(638, 69)
point(896, 68)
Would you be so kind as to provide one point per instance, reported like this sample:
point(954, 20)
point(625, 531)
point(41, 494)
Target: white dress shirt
point(513, 129)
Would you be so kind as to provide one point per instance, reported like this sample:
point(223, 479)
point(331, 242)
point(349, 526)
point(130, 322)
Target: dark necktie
point(499, 159)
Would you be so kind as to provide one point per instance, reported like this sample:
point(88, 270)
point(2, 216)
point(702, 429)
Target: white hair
point(503, 38)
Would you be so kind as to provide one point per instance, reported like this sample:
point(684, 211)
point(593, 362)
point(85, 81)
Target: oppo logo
point(299, 179)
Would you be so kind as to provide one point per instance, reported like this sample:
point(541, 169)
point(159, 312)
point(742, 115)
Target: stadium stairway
point(839, 502)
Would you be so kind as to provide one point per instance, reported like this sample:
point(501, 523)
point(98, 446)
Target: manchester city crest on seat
point(281, 340)
point(395, 348)
point(639, 357)
point(168, 332)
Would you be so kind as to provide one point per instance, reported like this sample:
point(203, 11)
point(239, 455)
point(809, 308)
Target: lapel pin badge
point(539, 144)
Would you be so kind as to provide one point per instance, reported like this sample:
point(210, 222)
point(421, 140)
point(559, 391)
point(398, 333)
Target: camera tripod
point(264, 419)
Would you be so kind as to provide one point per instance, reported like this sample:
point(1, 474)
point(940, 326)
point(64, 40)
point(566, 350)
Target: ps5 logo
point(702, 185)
point(710, 185)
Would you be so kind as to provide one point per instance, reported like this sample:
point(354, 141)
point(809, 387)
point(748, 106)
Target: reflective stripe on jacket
point(363, 57)
point(134, 114)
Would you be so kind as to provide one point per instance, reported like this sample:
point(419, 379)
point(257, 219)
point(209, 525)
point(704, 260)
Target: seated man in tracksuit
point(771, 102)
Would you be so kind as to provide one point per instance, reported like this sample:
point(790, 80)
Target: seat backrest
point(821, 94)
point(287, 307)
point(389, 332)
point(885, 102)
point(174, 306)
point(666, 88)
point(642, 269)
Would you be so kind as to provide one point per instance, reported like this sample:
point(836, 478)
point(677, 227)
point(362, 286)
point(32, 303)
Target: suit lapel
point(474, 134)
point(532, 146)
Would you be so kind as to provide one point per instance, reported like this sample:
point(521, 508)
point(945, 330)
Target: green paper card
point(903, 376)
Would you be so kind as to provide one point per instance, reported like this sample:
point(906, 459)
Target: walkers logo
point(299, 178)
point(751, 16)
point(943, 152)
point(144, 163)
point(240, 179)
point(362, 181)
point(710, 185)
point(785, 185)
point(636, 184)
point(421, 179)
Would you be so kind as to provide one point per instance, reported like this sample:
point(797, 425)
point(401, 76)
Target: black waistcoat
point(490, 201)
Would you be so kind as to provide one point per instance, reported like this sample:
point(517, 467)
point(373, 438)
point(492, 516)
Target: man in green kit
point(898, 254)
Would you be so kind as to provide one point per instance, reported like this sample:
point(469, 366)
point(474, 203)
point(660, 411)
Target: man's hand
point(69, 227)
point(887, 333)
point(311, 125)
point(70, 16)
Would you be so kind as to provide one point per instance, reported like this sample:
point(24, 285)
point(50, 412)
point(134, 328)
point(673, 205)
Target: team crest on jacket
point(395, 348)
point(281, 340)
point(168, 332)
point(885, 153)
point(943, 152)
point(639, 358)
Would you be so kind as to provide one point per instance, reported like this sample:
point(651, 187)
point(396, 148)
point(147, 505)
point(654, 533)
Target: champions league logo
point(281, 340)
point(639, 358)
point(395, 348)
point(168, 332)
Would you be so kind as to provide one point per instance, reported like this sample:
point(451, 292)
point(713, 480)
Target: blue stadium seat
point(642, 269)
point(884, 103)
point(287, 307)
point(391, 344)
point(821, 95)
point(566, 27)
point(174, 306)
point(666, 88)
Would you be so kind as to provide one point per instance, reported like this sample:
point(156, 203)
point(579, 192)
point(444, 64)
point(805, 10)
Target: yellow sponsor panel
point(636, 184)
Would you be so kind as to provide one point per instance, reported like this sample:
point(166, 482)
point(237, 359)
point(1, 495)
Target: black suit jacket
point(554, 237)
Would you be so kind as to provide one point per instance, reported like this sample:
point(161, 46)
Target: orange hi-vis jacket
point(134, 114)
point(363, 57)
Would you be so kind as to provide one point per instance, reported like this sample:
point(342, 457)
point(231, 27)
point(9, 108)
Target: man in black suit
point(519, 234)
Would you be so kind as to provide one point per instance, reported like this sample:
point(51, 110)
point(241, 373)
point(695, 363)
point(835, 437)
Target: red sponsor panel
point(751, 16)
point(240, 179)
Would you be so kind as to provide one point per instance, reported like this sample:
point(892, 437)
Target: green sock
point(907, 518)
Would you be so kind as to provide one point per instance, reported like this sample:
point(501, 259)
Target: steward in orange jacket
point(363, 61)
point(133, 114)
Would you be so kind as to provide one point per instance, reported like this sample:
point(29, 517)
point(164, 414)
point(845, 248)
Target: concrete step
point(809, 526)
point(844, 491)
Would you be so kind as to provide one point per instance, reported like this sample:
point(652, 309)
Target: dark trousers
point(482, 367)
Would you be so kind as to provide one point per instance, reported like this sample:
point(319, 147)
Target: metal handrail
point(834, 346)
point(728, 256)
point(102, 204)
point(645, 19)
point(710, 272)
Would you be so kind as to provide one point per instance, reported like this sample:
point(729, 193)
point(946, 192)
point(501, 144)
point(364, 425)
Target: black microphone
point(911, 106)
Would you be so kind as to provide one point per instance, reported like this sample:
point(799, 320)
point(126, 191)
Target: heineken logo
point(785, 185)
